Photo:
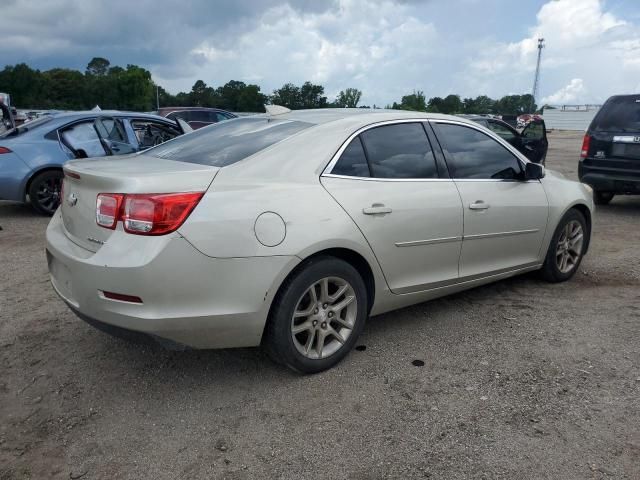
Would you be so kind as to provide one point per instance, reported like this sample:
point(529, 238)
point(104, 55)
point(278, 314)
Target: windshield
point(14, 132)
point(621, 114)
point(228, 142)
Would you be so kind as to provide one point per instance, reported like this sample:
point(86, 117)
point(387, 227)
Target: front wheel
point(318, 316)
point(45, 190)
point(567, 248)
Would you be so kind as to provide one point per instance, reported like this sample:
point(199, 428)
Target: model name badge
point(95, 240)
point(72, 199)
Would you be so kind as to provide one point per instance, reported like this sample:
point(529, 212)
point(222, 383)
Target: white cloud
point(584, 44)
point(568, 94)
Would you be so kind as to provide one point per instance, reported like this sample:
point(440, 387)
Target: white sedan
point(290, 229)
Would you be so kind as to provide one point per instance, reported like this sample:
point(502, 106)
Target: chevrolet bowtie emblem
point(72, 199)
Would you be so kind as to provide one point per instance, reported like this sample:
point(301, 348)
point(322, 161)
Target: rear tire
point(45, 190)
point(317, 316)
point(567, 248)
point(602, 198)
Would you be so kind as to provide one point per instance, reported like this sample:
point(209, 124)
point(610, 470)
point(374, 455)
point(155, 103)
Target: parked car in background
point(7, 122)
point(290, 230)
point(610, 155)
point(196, 117)
point(531, 141)
point(32, 155)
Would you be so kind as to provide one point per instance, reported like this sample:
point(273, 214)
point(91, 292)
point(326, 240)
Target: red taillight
point(146, 214)
point(586, 143)
point(108, 209)
point(4, 150)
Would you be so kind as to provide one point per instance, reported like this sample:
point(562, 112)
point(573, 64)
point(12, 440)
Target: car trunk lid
point(85, 179)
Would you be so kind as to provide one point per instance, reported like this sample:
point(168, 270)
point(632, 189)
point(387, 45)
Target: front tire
point(567, 248)
point(45, 190)
point(318, 315)
point(602, 198)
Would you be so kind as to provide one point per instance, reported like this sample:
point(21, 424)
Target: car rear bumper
point(610, 180)
point(189, 299)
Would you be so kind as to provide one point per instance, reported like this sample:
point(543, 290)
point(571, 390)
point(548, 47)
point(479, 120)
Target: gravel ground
point(521, 379)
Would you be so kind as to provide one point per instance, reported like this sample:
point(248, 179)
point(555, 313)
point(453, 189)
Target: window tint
point(352, 161)
point(399, 151)
point(228, 142)
point(221, 117)
point(501, 130)
point(472, 154)
point(150, 133)
point(82, 136)
point(184, 115)
point(619, 114)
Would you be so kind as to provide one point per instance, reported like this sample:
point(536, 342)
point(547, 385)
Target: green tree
point(479, 105)
point(348, 98)
point(415, 101)
point(435, 105)
point(287, 96)
point(98, 66)
point(451, 105)
point(311, 96)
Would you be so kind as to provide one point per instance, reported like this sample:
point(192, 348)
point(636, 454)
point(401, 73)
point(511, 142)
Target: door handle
point(479, 205)
point(376, 209)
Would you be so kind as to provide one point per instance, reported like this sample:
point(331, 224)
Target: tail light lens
point(586, 143)
point(108, 209)
point(4, 150)
point(146, 214)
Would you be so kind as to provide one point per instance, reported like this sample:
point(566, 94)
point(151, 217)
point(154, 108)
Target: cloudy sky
point(385, 48)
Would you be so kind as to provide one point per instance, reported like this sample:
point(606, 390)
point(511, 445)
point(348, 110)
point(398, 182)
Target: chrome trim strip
point(426, 287)
point(500, 234)
point(433, 241)
point(375, 179)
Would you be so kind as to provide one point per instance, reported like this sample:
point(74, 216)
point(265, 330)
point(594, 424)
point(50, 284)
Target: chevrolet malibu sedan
point(289, 230)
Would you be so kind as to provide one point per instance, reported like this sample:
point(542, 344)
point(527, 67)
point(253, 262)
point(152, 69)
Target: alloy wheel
point(324, 318)
point(569, 246)
point(48, 194)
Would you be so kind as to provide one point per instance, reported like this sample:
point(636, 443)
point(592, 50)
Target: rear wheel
point(602, 198)
point(317, 316)
point(45, 190)
point(566, 248)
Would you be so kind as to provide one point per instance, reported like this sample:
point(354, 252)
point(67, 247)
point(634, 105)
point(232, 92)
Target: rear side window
point(229, 142)
point(353, 162)
point(472, 154)
point(619, 114)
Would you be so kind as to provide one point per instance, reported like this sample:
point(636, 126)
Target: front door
point(505, 216)
point(387, 179)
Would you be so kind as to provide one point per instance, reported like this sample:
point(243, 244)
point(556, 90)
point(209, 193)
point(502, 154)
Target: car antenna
point(273, 110)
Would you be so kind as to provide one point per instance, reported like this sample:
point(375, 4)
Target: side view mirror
point(533, 171)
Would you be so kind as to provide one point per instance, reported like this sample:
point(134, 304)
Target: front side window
point(474, 155)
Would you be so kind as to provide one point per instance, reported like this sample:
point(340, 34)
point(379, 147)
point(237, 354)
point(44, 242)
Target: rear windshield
point(620, 114)
point(228, 142)
point(14, 132)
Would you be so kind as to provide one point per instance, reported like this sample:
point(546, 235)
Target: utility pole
point(536, 79)
point(157, 97)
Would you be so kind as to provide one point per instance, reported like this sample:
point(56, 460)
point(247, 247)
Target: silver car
point(289, 230)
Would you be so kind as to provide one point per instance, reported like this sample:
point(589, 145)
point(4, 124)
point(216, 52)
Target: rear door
point(505, 217)
point(395, 188)
point(113, 136)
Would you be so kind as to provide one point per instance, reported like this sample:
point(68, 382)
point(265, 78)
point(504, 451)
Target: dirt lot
point(522, 379)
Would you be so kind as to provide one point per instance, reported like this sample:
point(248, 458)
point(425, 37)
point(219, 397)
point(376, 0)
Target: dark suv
point(610, 156)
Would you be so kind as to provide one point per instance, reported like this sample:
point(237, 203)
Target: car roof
point(104, 113)
point(208, 109)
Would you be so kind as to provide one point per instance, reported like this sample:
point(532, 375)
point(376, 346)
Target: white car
point(289, 230)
